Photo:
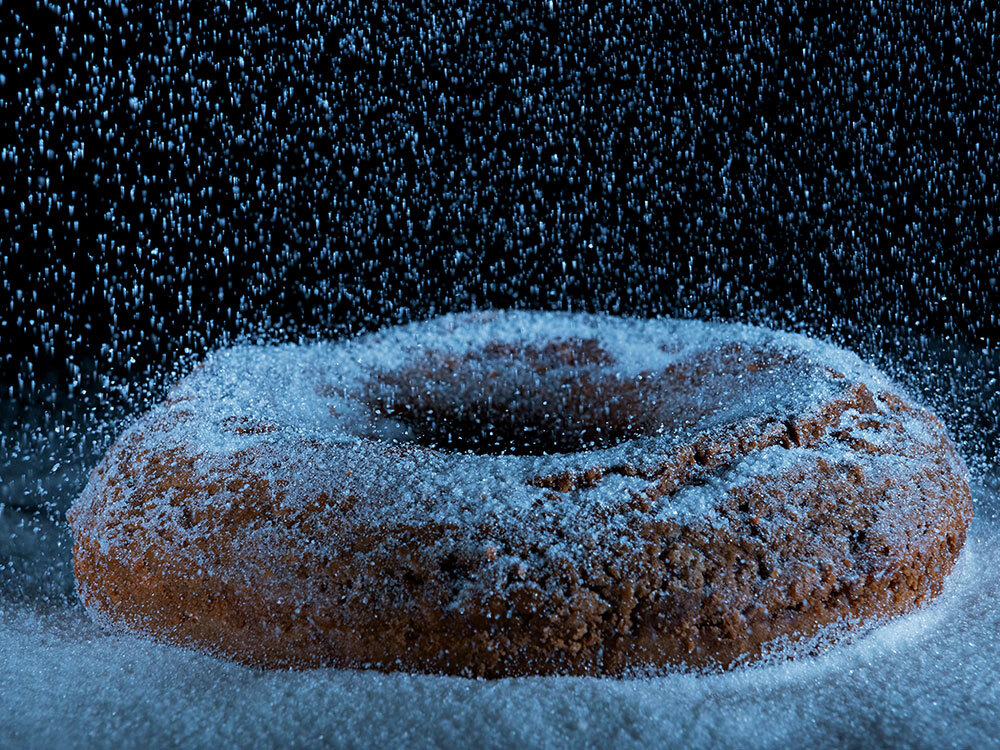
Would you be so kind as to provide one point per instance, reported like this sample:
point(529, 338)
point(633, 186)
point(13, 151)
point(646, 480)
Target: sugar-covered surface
point(927, 679)
point(283, 401)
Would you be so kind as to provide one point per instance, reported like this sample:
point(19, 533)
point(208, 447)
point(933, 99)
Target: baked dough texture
point(510, 493)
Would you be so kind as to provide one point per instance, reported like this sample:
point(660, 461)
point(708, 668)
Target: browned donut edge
point(182, 607)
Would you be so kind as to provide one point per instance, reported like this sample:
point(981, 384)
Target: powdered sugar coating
point(291, 412)
point(278, 387)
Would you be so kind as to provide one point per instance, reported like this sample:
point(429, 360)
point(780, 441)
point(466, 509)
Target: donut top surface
point(562, 430)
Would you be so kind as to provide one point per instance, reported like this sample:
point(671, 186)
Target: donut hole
point(527, 420)
point(562, 398)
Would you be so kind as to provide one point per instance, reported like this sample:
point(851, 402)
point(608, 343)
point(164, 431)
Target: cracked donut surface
point(510, 493)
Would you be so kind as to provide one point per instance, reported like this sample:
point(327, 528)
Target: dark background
point(176, 178)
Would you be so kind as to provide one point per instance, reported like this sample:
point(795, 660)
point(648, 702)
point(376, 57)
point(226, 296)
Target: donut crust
point(863, 525)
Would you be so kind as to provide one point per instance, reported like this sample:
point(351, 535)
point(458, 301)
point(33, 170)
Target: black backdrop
point(180, 176)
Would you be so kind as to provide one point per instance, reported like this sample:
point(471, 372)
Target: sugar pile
point(927, 679)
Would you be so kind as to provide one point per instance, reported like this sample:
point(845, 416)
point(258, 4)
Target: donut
point(512, 493)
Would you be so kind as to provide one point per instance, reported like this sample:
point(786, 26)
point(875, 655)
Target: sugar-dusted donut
point(510, 493)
